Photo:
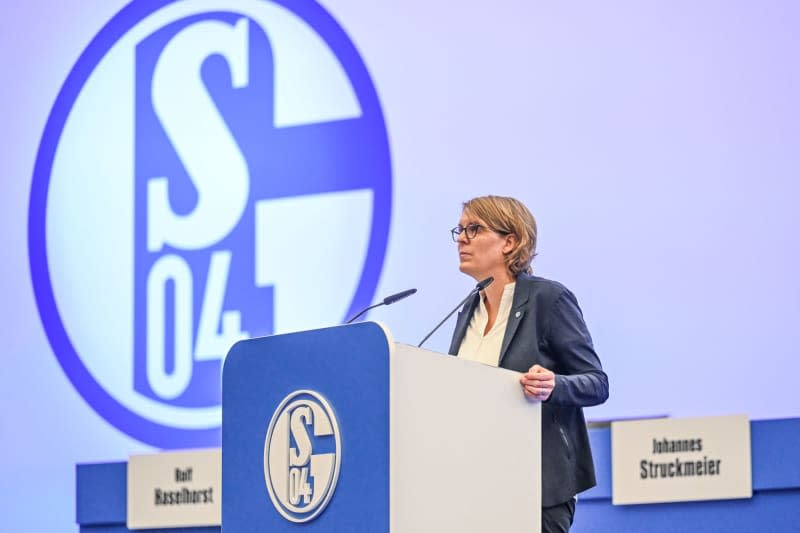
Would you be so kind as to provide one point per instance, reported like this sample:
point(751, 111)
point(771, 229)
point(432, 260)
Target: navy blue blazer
point(545, 326)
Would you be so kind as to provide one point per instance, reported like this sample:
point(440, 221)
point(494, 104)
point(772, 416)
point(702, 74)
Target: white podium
point(341, 429)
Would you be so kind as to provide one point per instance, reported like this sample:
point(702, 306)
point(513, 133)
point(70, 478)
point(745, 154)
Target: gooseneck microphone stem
point(364, 311)
point(479, 287)
point(389, 300)
point(470, 295)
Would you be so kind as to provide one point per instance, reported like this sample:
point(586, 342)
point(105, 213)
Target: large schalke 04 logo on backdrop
point(302, 454)
point(211, 170)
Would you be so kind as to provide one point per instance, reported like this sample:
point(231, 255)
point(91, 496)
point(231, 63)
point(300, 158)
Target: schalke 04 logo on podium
point(210, 171)
point(302, 454)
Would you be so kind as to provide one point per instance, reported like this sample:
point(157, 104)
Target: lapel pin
point(517, 315)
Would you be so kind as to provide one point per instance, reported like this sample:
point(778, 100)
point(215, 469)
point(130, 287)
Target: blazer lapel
point(515, 316)
point(462, 322)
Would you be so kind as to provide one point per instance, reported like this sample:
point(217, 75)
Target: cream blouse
point(486, 348)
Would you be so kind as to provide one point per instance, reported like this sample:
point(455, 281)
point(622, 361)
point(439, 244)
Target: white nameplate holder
point(679, 460)
point(175, 489)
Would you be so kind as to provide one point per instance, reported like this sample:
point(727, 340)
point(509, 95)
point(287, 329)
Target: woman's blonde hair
point(509, 216)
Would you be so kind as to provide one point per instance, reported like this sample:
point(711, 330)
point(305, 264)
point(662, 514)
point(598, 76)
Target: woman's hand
point(538, 383)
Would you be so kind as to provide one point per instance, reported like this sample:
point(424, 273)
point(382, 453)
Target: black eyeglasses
point(471, 229)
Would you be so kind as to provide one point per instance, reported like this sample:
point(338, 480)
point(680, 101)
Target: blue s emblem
point(300, 468)
point(210, 171)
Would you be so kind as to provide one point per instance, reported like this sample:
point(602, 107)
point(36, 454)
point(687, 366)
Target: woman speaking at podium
point(534, 326)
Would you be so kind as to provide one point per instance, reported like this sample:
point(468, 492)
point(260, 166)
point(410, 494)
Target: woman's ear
point(510, 244)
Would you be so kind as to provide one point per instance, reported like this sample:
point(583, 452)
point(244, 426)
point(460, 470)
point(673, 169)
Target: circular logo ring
point(277, 451)
point(137, 421)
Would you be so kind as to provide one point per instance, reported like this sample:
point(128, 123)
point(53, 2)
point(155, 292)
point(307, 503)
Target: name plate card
point(680, 460)
point(175, 489)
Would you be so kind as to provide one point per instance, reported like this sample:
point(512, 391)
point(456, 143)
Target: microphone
point(483, 284)
point(479, 287)
point(389, 300)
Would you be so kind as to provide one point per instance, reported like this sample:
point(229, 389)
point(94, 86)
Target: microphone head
point(484, 283)
point(399, 296)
